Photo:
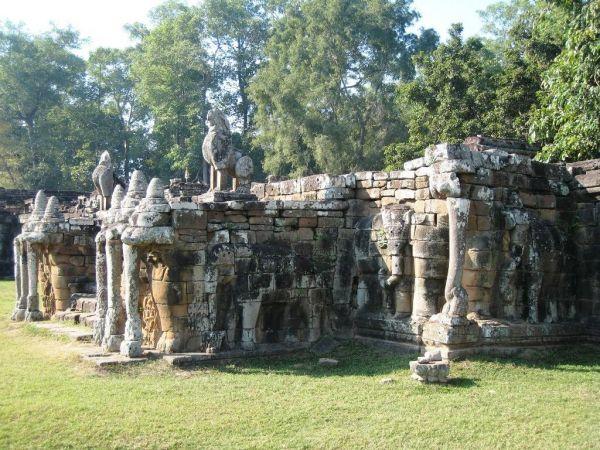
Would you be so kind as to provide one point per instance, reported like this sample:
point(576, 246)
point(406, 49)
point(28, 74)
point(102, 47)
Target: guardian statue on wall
point(223, 158)
point(104, 179)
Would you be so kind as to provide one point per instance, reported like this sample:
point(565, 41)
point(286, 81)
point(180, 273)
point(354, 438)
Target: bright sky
point(101, 21)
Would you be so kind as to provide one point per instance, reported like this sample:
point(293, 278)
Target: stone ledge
point(75, 334)
point(103, 360)
point(190, 358)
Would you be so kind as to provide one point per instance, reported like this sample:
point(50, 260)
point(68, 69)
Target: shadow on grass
point(569, 358)
point(357, 359)
point(354, 359)
point(462, 382)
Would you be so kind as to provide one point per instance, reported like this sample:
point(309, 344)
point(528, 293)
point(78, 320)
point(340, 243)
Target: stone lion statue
point(218, 151)
point(104, 179)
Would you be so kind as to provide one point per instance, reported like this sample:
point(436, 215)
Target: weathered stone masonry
point(471, 247)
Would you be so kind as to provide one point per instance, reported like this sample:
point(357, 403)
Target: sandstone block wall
point(372, 254)
point(584, 205)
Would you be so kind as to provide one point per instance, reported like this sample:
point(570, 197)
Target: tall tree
point(525, 36)
point(325, 95)
point(38, 74)
point(450, 97)
point(110, 70)
point(567, 121)
point(237, 31)
point(174, 78)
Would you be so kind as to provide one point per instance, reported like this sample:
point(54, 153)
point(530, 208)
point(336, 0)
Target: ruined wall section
point(519, 263)
point(15, 203)
point(585, 207)
point(67, 264)
point(520, 260)
point(243, 274)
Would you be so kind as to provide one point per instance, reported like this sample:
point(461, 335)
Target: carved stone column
point(114, 267)
point(33, 301)
point(250, 310)
point(101, 291)
point(450, 331)
point(457, 300)
point(20, 281)
point(149, 228)
point(108, 275)
point(132, 345)
point(29, 259)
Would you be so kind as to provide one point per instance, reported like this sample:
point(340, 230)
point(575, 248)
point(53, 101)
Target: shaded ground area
point(49, 398)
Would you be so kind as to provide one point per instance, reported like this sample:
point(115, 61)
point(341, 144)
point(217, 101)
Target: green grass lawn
point(51, 399)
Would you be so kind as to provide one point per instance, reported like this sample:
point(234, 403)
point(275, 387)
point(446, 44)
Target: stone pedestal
point(430, 372)
point(430, 368)
point(452, 339)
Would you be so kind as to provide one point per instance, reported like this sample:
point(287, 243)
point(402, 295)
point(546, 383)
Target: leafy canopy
point(325, 94)
point(567, 121)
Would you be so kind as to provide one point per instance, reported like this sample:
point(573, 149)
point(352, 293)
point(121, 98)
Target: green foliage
point(110, 71)
point(450, 97)
point(39, 75)
point(526, 37)
point(325, 95)
point(309, 85)
point(237, 32)
point(492, 85)
point(567, 121)
point(174, 76)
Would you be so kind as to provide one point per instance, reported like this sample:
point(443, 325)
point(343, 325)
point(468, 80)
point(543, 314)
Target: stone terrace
point(473, 247)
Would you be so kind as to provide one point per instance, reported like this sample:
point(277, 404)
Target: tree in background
point(325, 94)
point(526, 36)
point(237, 32)
point(174, 76)
point(567, 121)
point(110, 71)
point(310, 86)
point(450, 97)
point(38, 76)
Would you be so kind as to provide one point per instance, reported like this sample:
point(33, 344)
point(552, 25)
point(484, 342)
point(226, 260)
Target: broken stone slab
point(430, 371)
point(431, 356)
point(226, 196)
point(103, 360)
point(75, 334)
point(328, 362)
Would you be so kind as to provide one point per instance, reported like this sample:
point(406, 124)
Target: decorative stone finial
point(116, 202)
point(156, 189)
point(137, 185)
point(117, 197)
point(39, 207)
point(135, 193)
point(53, 214)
